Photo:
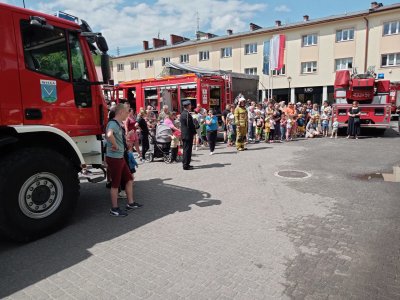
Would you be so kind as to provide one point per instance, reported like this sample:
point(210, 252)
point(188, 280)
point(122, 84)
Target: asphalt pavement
point(230, 229)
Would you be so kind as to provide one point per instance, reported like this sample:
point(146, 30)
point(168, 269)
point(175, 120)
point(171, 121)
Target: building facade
point(314, 50)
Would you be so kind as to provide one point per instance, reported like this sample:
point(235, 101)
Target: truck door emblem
point(49, 90)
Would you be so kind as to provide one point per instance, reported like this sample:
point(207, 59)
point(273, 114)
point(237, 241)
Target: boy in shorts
point(117, 166)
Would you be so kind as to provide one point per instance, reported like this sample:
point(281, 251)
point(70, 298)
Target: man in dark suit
point(188, 131)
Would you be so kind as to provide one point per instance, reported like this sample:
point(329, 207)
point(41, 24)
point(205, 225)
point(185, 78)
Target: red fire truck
point(52, 116)
point(210, 91)
point(372, 95)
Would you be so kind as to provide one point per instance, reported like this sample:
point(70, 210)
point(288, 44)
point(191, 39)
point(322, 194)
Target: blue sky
point(126, 24)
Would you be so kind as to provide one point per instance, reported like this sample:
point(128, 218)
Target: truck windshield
point(379, 99)
point(45, 51)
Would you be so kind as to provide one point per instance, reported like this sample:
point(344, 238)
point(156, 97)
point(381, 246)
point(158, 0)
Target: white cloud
point(127, 25)
point(283, 8)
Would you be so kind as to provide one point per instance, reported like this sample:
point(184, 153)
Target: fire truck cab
point(52, 116)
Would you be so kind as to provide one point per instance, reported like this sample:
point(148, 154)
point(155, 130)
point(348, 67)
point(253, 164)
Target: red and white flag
point(277, 49)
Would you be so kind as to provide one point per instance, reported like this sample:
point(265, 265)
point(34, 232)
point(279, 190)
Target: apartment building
point(314, 50)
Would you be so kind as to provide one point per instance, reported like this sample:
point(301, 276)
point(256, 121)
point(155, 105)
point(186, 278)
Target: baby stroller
point(160, 144)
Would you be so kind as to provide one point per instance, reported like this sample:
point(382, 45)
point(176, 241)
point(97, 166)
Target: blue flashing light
point(65, 16)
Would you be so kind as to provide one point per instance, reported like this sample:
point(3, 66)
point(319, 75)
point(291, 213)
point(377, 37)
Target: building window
point(184, 58)
point(250, 48)
point(390, 28)
point(164, 60)
point(134, 65)
point(343, 63)
point(310, 40)
point(204, 55)
point(392, 59)
point(250, 71)
point(120, 67)
point(279, 72)
point(149, 63)
point(308, 67)
point(226, 52)
point(345, 35)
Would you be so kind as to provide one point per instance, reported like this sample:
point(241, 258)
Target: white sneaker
point(211, 153)
point(197, 148)
point(122, 194)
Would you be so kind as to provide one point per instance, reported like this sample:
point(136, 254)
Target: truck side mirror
point(101, 43)
point(105, 67)
point(40, 22)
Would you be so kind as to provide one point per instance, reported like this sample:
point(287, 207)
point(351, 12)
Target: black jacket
point(187, 126)
point(143, 126)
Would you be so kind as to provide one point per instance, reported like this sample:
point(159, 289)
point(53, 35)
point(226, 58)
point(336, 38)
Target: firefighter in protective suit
point(241, 121)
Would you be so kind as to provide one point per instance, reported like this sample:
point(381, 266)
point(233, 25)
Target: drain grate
point(292, 174)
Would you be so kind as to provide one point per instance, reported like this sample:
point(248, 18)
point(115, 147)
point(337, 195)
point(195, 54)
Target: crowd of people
point(193, 129)
point(278, 122)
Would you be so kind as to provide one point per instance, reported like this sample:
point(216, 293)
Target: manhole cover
point(292, 174)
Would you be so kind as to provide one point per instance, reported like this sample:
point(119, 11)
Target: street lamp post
point(289, 79)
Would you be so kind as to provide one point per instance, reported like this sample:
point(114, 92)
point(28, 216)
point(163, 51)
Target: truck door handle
point(33, 114)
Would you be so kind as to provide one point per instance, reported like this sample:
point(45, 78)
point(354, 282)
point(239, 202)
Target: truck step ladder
point(228, 88)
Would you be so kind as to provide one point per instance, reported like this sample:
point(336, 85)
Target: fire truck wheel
point(342, 131)
point(39, 189)
point(380, 131)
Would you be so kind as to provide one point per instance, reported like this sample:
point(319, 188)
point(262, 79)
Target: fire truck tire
point(39, 190)
point(380, 131)
point(342, 131)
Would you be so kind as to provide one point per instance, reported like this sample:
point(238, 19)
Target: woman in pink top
point(169, 121)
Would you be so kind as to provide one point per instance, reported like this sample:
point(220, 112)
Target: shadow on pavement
point(228, 152)
point(25, 264)
point(210, 166)
point(259, 148)
point(372, 133)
